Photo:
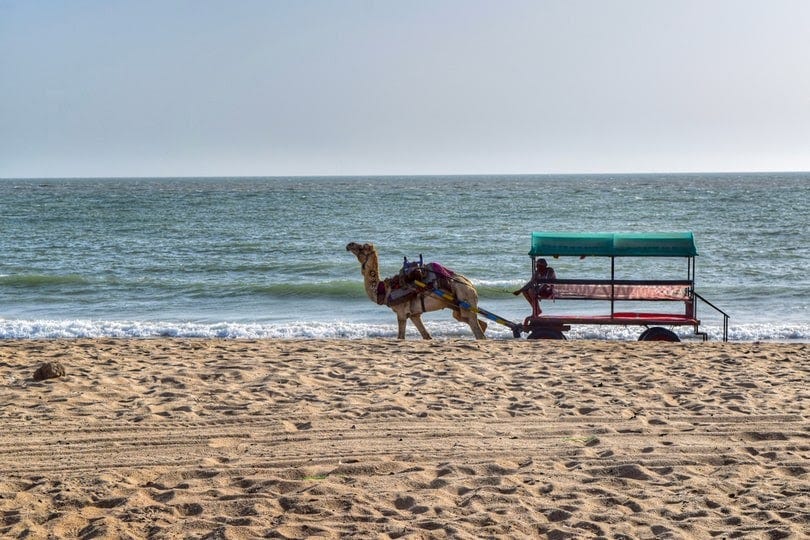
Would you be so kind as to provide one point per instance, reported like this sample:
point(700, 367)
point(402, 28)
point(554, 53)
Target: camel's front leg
point(402, 320)
point(417, 322)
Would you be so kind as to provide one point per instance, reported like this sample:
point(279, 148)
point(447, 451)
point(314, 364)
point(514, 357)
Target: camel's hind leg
point(416, 318)
point(477, 327)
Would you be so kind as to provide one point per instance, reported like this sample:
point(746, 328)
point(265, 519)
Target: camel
point(462, 289)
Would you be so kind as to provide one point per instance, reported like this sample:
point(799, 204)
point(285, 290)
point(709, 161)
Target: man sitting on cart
point(535, 289)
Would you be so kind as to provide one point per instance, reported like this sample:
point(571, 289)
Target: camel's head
point(363, 252)
point(358, 249)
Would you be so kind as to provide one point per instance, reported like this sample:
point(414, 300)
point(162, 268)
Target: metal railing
point(723, 313)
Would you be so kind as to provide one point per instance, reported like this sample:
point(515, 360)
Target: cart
point(618, 292)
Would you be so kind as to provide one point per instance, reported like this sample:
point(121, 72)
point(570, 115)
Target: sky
point(110, 88)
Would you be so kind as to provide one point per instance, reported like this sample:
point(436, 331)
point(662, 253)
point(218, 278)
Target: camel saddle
point(401, 287)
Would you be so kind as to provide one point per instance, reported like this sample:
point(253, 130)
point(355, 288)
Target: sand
point(179, 438)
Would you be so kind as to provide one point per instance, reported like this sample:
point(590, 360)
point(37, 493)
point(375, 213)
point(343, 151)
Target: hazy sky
point(264, 87)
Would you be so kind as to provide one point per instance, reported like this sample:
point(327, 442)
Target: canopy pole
point(612, 285)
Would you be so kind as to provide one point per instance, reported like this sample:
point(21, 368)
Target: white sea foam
point(85, 328)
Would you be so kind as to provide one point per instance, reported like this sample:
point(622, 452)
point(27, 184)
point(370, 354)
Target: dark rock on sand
point(49, 370)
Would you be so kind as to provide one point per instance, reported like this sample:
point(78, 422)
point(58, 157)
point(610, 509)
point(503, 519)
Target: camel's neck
point(371, 275)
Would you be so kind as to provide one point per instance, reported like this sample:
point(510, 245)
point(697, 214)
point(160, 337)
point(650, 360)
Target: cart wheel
point(656, 333)
point(546, 333)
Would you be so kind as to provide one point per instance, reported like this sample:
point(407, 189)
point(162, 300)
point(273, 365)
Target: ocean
point(266, 257)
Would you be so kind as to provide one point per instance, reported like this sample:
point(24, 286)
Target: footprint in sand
point(292, 427)
point(403, 503)
point(409, 503)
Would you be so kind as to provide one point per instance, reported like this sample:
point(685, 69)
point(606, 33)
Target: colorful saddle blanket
point(402, 287)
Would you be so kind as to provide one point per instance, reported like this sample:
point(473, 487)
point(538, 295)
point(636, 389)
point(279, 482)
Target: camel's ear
point(368, 246)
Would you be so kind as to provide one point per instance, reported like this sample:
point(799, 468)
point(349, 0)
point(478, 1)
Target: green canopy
point(659, 244)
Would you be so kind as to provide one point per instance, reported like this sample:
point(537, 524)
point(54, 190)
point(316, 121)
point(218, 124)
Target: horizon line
point(392, 175)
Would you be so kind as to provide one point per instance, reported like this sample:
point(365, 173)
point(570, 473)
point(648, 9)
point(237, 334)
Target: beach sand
point(182, 438)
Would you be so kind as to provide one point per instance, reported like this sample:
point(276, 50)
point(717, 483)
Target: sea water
point(266, 257)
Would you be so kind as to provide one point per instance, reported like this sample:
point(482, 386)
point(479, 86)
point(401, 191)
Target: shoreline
point(379, 437)
point(411, 337)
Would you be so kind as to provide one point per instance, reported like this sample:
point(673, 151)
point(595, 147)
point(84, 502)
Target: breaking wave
point(88, 328)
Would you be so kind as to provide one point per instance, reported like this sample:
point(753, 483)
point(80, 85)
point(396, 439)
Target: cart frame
point(615, 246)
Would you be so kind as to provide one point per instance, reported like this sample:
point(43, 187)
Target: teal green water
point(266, 256)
